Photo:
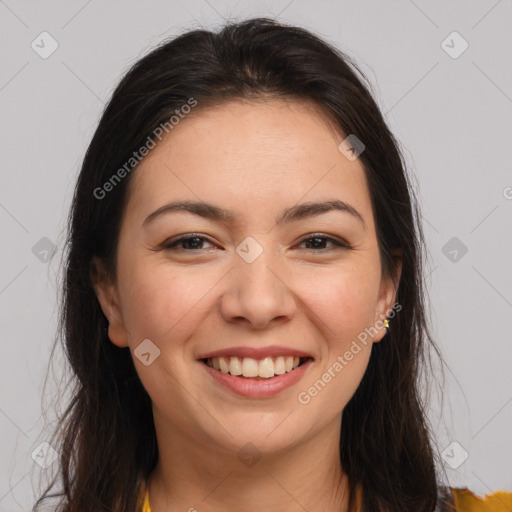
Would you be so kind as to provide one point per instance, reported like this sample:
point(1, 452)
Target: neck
point(196, 475)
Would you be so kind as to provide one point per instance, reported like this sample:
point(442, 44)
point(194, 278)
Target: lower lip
point(258, 388)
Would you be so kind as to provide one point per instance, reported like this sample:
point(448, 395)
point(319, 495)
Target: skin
point(257, 159)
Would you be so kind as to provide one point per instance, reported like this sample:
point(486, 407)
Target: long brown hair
point(106, 435)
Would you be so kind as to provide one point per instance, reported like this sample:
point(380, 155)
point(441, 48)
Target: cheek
point(343, 304)
point(162, 303)
point(344, 300)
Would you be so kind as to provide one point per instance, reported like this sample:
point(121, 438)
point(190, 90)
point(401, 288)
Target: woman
point(243, 305)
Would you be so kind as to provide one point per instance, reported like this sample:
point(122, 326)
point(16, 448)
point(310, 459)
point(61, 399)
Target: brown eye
point(190, 242)
point(317, 243)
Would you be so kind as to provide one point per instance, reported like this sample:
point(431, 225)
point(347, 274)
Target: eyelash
point(172, 245)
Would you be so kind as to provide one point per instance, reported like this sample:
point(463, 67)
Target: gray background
point(452, 116)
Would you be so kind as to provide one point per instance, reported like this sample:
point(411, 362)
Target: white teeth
point(250, 367)
point(279, 367)
point(235, 367)
point(224, 368)
point(265, 368)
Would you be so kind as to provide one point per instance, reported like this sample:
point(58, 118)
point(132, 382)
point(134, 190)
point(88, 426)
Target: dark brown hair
point(106, 436)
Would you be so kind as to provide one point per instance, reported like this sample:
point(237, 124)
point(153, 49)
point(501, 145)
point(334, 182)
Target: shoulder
point(451, 499)
point(456, 499)
point(463, 500)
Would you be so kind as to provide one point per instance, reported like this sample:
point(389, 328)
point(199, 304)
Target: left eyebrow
point(294, 213)
point(311, 209)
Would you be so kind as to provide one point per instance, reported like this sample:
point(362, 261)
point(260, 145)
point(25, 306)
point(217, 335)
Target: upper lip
point(255, 353)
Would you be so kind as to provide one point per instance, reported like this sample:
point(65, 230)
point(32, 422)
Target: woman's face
point(266, 281)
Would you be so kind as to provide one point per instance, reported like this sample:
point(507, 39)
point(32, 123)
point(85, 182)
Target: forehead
point(251, 155)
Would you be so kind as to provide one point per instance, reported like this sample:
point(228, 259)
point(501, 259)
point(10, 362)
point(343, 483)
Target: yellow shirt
point(465, 501)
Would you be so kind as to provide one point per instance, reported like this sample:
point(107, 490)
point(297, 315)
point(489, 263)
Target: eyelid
point(336, 241)
point(327, 236)
point(166, 244)
point(340, 243)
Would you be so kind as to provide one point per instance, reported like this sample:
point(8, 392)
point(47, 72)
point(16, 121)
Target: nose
point(257, 294)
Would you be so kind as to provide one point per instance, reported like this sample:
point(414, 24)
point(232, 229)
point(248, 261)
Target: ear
point(108, 297)
point(387, 296)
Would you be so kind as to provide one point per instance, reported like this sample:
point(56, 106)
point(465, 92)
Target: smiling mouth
point(249, 368)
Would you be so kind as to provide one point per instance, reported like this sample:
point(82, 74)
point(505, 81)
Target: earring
point(386, 323)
